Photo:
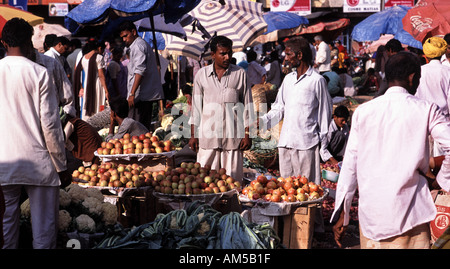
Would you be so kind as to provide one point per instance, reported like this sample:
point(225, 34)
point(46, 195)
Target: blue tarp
point(278, 20)
point(93, 12)
point(388, 21)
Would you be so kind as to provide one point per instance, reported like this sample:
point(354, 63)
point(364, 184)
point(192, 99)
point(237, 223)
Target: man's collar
point(212, 70)
point(55, 51)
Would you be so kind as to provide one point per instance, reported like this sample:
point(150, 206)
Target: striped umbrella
point(240, 20)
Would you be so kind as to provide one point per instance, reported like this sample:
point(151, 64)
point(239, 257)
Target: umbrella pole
point(152, 22)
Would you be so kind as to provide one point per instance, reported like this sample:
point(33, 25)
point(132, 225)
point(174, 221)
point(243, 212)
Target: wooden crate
point(137, 208)
point(296, 230)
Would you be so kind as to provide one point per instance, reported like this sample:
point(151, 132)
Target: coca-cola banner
point(299, 7)
point(361, 6)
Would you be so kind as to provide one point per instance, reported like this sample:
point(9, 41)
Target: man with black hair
point(386, 158)
point(58, 50)
point(221, 111)
point(32, 153)
point(144, 80)
point(305, 105)
point(393, 46)
point(119, 117)
point(49, 39)
point(337, 136)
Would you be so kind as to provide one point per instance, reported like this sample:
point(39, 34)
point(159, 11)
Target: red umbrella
point(428, 18)
point(8, 12)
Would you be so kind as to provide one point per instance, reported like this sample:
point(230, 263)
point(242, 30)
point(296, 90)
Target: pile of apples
point(142, 144)
point(290, 189)
point(192, 178)
point(109, 174)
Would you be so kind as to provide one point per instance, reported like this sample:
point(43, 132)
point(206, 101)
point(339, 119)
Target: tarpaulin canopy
point(386, 22)
point(279, 20)
point(280, 24)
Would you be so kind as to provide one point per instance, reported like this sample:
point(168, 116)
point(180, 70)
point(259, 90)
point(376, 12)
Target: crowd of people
point(57, 100)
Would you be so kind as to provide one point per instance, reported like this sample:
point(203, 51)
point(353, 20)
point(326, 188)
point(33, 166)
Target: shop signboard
point(361, 6)
point(299, 7)
point(58, 9)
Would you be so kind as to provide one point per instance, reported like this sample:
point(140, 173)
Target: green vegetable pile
point(199, 226)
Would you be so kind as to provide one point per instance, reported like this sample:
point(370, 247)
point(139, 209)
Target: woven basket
point(259, 95)
point(267, 160)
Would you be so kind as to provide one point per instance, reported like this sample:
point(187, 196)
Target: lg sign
point(352, 3)
point(275, 3)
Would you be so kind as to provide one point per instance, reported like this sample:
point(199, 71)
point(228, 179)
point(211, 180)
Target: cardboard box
point(296, 230)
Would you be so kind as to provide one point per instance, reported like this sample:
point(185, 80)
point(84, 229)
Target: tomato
point(303, 180)
point(262, 179)
point(313, 187)
point(275, 198)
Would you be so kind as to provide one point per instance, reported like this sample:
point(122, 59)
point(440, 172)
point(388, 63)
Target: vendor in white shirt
point(305, 106)
point(386, 159)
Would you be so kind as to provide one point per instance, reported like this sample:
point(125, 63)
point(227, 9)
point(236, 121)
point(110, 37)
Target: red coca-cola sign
point(352, 3)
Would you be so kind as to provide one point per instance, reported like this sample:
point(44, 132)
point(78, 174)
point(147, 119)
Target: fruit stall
point(137, 190)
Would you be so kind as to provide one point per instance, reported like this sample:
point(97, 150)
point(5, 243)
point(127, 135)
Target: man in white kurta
point(32, 154)
point(305, 106)
point(435, 80)
point(60, 80)
point(385, 159)
point(221, 112)
point(323, 55)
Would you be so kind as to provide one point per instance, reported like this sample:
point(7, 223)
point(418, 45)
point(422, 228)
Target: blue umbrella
point(388, 21)
point(279, 20)
point(99, 12)
point(160, 41)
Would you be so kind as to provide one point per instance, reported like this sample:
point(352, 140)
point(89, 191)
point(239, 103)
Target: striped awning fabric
point(240, 20)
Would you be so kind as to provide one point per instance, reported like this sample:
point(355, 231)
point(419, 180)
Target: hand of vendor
point(332, 161)
point(65, 177)
point(193, 144)
point(131, 101)
point(246, 143)
point(339, 230)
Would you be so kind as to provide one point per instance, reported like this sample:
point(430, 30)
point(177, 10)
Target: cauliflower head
point(85, 224)
point(77, 193)
point(64, 198)
point(93, 206)
point(64, 220)
point(95, 193)
point(110, 214)
point(25, 209)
